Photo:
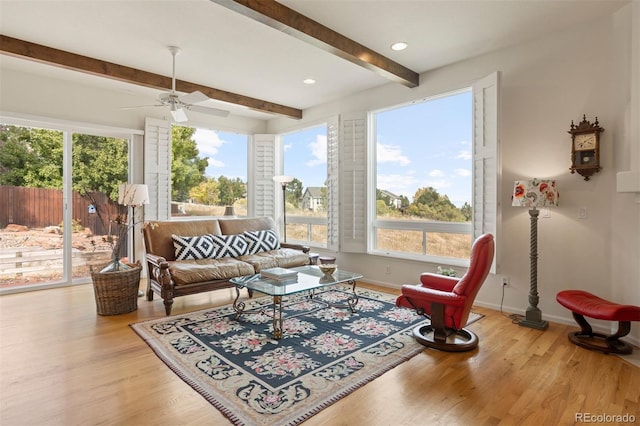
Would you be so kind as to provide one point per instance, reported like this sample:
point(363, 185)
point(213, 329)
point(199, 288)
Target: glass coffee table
point(308, 279)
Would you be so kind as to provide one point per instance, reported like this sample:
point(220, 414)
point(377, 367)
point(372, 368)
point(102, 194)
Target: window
point(423, 188)
point(485, 187)
point(208, 172)
point(305, 158)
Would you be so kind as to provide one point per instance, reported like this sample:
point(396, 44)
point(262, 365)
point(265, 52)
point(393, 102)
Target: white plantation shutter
point(262, 168)
point(333, 181)
point(157, 168)
point(486, 159)
point(353, 183)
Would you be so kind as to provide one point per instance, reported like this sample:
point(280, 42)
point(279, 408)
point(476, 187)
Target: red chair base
point(452, 341)
point(600, 342)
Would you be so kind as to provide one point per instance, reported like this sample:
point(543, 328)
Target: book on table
point(280, 274)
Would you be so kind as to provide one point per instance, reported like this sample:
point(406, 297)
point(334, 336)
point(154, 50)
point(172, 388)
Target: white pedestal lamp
point(534, 193)
point(283, 181)
point(133, 195)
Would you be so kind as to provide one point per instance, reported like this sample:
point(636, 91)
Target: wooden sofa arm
point(304, 249)
point(157, 261)
point(159, 270)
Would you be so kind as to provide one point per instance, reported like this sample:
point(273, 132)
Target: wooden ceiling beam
point(71, 61)
point(282, 18)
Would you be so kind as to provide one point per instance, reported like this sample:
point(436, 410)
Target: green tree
point(99, 164)
point(33, 158)
point(207, 192)
point(30, 157)
point(466, 212)
point(231, 190)
point(382, 208)
point(428, 203)
point(381, 197)
point(294, 192)
point(187, 168)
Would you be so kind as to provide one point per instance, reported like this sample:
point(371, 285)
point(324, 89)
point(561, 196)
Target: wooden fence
point(40, 207)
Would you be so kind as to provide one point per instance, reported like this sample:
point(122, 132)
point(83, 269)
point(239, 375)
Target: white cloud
point(391, 154)
point(398, 184)
point(318, 151)
point(464, 155)
point(209, 142)
point(438, 184)
point(436, 173)
point(287, 146)
point(462, 172)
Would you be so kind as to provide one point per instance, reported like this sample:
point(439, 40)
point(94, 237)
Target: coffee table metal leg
point(353, 301)
point(238, 306)
point(278, 328)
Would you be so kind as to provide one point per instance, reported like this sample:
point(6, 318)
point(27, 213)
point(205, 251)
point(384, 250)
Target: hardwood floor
point(61, 364)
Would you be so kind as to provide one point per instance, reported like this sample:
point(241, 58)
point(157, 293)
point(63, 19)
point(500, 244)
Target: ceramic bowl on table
point(328, 268)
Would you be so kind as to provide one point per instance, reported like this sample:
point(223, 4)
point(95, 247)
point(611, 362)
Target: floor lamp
point(533, 194)
point(283, 181)
point(133, 195)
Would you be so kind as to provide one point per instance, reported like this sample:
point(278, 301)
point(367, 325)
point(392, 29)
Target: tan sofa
point(171, 277)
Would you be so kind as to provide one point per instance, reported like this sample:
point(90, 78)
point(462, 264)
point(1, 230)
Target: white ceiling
point(228, 51)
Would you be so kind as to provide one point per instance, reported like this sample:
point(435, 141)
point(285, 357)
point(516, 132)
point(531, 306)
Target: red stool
point(582, 303)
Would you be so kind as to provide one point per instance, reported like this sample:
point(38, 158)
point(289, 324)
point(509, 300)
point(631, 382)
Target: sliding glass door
point(58, 201)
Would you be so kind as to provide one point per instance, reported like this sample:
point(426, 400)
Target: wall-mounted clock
point(585, 147)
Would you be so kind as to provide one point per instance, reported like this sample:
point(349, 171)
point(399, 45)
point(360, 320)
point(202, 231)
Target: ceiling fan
point(178, 104)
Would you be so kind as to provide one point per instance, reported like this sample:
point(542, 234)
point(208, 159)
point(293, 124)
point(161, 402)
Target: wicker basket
point(116, 292)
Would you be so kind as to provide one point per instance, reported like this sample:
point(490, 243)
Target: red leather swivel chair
point(447, 301)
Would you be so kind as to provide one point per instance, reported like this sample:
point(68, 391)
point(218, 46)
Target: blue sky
point(227, 153)
point(418, 145)
point(427, 144)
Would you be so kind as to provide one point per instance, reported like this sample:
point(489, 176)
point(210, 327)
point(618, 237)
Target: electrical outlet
point(505, 281)
point(583, 213)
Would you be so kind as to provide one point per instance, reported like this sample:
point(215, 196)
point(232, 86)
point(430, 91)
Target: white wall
point(546, 83)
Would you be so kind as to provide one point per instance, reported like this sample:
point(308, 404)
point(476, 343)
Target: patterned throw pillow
point(228, 246)
point(262, 241)
point(200, 247)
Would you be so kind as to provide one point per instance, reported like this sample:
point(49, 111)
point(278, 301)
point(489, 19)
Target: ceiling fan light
point(178, 114)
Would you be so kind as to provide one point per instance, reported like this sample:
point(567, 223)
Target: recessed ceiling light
point(309, 81)
point(401, 45)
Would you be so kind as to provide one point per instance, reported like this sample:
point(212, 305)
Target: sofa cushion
point(282, 257)
point(200, 247)
point(238, 226)
point(202, 270)
point(262, 241)
point(228, 246)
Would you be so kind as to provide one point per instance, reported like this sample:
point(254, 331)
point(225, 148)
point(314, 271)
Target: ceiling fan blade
point(193, 98)
point(165, 96)
point(207, 110)
point(141, 106)
point(179, 115)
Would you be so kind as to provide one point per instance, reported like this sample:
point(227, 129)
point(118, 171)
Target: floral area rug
point(325, 352)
